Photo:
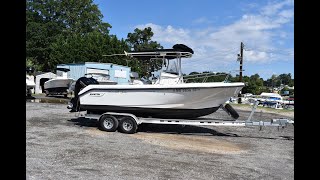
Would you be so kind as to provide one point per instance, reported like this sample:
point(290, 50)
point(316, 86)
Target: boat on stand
point(59, 85)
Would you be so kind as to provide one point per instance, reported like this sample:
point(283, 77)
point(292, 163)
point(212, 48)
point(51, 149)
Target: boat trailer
point(128, 123)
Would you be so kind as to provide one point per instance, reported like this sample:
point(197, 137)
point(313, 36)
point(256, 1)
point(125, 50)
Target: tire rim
point(108, 123)
point(127, 126)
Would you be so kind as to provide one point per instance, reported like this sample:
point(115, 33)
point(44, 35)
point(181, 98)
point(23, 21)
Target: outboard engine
point(81, 83)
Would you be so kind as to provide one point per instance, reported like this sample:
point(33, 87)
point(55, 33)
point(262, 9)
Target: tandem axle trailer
point(128, 123)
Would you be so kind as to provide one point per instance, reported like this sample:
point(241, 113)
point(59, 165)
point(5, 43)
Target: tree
point(291, 83)
point(140, 40)
point(254, 84)
point(89, 47)
point(49, 22)
point(256, 80)
point(43, 25)
point(81, 17)
point(276, 81)
point(286, 79)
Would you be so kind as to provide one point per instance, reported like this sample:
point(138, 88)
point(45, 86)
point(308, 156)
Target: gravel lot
point(61, 146)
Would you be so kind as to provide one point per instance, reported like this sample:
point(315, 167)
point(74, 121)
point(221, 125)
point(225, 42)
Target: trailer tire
point(128, 125)
point(108, 123)
point(232, 112)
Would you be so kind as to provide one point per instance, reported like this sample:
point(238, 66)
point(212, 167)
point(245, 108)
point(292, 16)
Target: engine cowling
point(80, 84)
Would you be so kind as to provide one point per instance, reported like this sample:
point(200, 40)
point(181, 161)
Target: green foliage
point(72, 31)
point(88, 48)
point(276, 81)
point(57, 27)
point(30, 63)
point(140, 40)
point(254, 85)
point(81, 17)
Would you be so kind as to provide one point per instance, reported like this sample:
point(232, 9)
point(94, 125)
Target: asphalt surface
point(61, 146)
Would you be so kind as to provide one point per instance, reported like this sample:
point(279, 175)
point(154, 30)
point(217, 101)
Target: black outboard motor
point(80, 84)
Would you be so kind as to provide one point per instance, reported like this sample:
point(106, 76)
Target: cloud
point(202, 20)
point(251, 5)
point(217, 48)
point(286, 13)
point(272, 9)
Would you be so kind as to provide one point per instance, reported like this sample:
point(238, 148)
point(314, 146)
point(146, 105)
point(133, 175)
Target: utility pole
point(240, 58)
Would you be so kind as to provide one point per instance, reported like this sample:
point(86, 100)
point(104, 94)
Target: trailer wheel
point(128, 125)
point(232, 112)
point(108, 123)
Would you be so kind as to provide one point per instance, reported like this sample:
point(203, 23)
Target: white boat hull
point(187, 100)
point(58, 84)
point(30, 84)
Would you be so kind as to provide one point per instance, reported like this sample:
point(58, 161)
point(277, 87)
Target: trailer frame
point(279, 122)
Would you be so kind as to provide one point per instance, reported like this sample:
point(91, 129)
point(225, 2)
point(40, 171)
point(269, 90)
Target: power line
point(275, 51)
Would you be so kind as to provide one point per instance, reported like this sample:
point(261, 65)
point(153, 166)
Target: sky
point(214, 29)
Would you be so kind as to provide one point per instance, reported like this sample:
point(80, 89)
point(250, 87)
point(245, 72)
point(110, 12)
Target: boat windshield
point(171, 67)
point(171, 57)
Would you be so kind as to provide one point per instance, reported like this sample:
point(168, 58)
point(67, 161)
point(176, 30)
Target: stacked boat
point(59, 85)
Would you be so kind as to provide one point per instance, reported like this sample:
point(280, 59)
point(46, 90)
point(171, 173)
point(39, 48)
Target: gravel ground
point(61, 146)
